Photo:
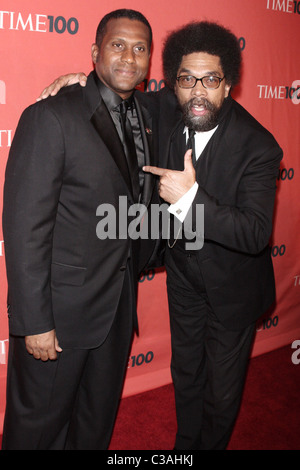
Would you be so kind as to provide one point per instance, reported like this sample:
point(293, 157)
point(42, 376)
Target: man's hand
point(174, 184)
point(43, 346)
point(64, 80)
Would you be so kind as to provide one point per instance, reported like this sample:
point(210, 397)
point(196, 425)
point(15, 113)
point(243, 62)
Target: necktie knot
point(124, 106)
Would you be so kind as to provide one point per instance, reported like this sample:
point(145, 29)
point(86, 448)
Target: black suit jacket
point(66, 160)
point(236, 174)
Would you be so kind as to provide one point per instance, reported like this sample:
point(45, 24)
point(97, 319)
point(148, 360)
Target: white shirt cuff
point(182, 206)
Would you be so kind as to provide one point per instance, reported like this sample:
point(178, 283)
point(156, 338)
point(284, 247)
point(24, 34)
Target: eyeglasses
point(209, 81)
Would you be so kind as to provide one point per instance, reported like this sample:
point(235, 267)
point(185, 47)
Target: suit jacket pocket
point(67, 274)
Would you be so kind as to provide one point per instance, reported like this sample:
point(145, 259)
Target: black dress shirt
point(112, 101)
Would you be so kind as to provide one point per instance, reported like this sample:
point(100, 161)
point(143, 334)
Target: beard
point(201, 123)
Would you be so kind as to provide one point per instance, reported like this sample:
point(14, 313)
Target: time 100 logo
point(60, 25)
point(38, 23)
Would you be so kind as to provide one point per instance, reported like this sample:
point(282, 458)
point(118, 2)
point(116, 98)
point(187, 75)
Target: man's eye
point(212, 80)
point(187, 78)
point(140, 49)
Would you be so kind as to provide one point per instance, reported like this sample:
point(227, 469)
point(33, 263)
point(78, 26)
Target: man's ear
point(95, 53)
point(227, 89)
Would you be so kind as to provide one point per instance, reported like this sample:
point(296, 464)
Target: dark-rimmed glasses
point(209, 81)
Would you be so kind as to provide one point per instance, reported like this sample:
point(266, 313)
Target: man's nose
point(128, 56)
point(199, 89)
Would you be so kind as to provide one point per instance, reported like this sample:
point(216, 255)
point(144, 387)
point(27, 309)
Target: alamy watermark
point(137, 221)
point(296, 354)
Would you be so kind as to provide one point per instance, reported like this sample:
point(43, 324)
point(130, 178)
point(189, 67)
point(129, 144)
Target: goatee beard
point(201, 123)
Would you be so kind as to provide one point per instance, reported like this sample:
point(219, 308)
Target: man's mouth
point(200, 114)
point(199, 109)
point(126, 72)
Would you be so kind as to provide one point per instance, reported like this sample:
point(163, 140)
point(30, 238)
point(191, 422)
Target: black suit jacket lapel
point(214, 161)
point(105, 127)
point(103, 124)
point(147, 137)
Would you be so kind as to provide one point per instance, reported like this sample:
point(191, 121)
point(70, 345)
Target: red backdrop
point(41, 39)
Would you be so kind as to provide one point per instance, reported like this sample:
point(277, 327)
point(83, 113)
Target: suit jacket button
point(122, 268)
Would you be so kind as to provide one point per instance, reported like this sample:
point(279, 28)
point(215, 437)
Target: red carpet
point(269, 418)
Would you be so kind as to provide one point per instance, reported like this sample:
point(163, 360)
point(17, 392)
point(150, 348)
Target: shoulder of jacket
point(244, 125)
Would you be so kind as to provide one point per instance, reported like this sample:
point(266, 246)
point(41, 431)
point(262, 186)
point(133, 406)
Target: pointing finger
point(155, 170)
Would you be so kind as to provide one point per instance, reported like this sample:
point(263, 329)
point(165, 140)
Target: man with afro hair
point(217, 291)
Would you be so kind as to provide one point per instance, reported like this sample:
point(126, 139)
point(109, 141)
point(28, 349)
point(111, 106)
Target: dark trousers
point(70, 403)
point(209, 362)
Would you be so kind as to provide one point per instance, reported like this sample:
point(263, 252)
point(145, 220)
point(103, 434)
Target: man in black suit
point(215, 293)
point(71, 290)
point(216, 290)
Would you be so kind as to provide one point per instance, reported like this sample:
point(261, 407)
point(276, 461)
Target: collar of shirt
point(201, 139)
point(112, 101)
point(110, 98)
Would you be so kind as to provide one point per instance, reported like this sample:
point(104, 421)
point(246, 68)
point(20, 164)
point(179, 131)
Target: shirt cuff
point(182, 206)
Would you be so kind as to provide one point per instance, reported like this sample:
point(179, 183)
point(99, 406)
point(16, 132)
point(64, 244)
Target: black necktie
point(191, 145)
point(129, 148)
